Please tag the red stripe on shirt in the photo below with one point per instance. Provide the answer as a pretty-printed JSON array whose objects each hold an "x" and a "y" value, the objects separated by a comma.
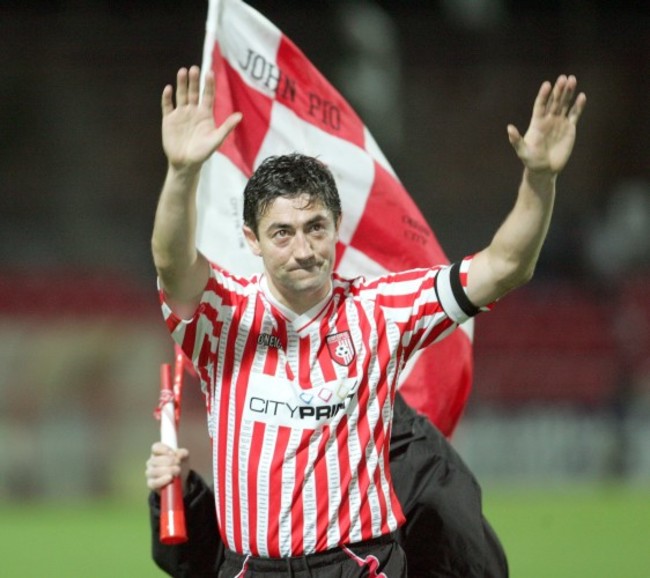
[
  {"x": 297, "y": 510},
  {"x": 275, "y": 491},
  {"x": 252, "y": 482},
  {"x": 304, "y": 362},
  {"x": 342, "y": 440},
  {"x": 322, "y": 492}
]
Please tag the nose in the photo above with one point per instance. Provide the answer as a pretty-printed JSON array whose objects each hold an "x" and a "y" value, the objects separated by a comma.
[{"x": 302, "y": 249}]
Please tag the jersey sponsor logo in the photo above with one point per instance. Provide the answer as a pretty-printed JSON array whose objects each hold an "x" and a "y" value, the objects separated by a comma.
[
  {"x": 278, "y": 401},
  {"x": 268, "y": 340},
  {"x": 274, "y": 408},
  {"x": 341, "y": 347}
]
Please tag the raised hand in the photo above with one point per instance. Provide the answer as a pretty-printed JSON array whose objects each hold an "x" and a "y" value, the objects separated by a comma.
[
  {"x": 548, "y": 142},
  {"x": 189, "y": 132}
]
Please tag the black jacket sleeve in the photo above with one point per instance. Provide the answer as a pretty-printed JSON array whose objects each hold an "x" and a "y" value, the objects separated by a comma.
[{"x": 201, "y": 555}]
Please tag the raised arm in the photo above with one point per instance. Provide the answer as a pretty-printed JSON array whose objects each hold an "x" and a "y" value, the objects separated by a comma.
[
  {"x": 509, "y": 261},
  {"x": 189, "y": 137}
]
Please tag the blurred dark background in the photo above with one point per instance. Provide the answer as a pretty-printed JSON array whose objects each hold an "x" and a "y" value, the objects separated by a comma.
[{"x": 436, "y": 82}]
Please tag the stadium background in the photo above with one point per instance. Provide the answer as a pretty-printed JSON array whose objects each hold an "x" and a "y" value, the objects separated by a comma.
[{"x": 557, "y": 426}]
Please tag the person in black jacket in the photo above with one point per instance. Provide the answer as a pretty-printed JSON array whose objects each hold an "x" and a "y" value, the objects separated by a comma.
[{"x": 445, "y": 534}]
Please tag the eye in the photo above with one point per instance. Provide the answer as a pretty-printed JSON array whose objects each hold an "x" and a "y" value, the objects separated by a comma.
[
  {"x": 317, "y": 227},
  {"x": 281, "y": 234}
]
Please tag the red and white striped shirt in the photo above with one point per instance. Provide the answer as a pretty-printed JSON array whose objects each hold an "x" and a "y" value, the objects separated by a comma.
[{"x": 300, "y": 406}]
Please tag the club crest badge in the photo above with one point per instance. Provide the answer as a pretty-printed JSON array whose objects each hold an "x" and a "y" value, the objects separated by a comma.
[{"x": 341, "y": 347}]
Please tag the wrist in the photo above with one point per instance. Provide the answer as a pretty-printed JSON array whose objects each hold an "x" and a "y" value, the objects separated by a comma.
[
  {"x": 540, "y": 180},
  {"x": 186, "y": 174}
]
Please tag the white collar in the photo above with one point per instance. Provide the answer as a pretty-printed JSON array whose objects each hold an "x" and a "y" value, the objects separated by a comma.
[{"x": 299, "y": 321}]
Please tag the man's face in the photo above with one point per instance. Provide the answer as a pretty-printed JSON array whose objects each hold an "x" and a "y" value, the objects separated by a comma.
[{"x": 297, "y": 243}]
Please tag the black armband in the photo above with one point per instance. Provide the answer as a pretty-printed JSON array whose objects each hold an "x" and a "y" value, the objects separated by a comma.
[{"x": 451, "y": 295}]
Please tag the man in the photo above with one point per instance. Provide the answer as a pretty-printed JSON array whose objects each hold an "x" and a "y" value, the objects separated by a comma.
[
  {"x": 445, "y": 534},
  {"x": 299, "y": 365}
]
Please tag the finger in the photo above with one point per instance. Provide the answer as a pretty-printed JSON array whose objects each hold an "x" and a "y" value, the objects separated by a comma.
[
  {"x": 229, "y": 124},
  {"x": 556, "y": 100},
  {"x": 567, "y": 95},
  {"x": 514, "y": 136},
  {"x": 577, "y": 108},
  {"x": 160, "y": 449},
  {"x": 159, "y": 483},
  {"x": 162, "y": 461},
  {"x": 166, "y": 102},
  {"x": 154, "y": 471},
  {"x": 208, "y": 90},
  {"x": 222, "y": 132},
  {"x": 181, "y": 87},
  {"x": 542, "y": 99},
  {"x": 194, "y": 82}
]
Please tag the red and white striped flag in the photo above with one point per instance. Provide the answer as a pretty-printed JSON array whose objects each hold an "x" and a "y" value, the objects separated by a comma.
[{"x": 289, "y": 106}]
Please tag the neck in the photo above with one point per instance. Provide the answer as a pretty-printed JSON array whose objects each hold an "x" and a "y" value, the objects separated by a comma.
[{"x": 299, "y": 301}]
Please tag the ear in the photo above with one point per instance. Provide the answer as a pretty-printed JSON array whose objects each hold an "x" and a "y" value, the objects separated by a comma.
[
  {"x": 337, "y": 225},
  {"x": 251, "y": 239}
]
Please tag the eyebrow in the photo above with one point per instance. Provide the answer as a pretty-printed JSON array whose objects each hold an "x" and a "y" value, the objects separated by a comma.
[{"x": 279, "y": 225}]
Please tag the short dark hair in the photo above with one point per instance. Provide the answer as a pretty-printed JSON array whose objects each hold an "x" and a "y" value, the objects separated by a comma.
[{"x": 289, "y": 176}]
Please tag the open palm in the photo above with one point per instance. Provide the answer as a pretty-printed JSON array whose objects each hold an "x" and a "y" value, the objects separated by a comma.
[
  {"x": 189, "y": 132},
  {"x": 549, "y": 140}
]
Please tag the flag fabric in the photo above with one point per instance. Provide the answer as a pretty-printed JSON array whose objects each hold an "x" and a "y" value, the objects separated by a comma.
[{"x": 288, "y": 106}]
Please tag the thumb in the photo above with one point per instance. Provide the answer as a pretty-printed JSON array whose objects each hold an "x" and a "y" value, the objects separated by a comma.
[
  {"x": 229, "y": 124},
  {"x": 516, "y": 140},
  {"x": 232, "y": 121},
  {"x": 226, "y": 128}
]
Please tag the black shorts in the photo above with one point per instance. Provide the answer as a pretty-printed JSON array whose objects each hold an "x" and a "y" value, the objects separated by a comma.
[{"x": 379, "y": 558}]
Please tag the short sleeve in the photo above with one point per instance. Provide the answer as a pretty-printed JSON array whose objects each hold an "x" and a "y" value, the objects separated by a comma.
[{"x": 451, "y": 285}]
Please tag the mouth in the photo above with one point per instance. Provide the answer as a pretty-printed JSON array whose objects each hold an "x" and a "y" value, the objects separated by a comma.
[
  {"x": 308, "y": 268},
  {"x": 302, "y": 271}
]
